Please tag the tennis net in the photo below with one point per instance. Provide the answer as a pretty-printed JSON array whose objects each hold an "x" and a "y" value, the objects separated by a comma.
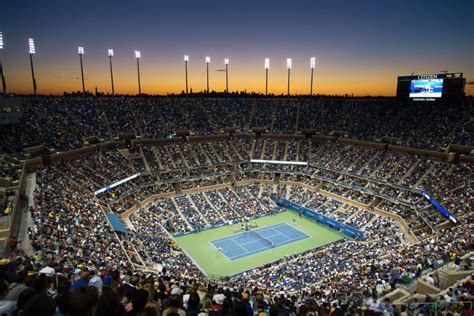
[{"x": 270, "y": 243}]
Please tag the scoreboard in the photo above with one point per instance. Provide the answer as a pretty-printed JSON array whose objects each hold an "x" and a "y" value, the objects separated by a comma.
[{"x": 431, "y": 87}]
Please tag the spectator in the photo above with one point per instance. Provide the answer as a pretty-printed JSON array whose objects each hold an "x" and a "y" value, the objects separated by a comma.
[
  {"x": 7, "y": 307},
  {"x": 15, "y": 288},
  {"x": 39, "y": 305},
  {"x": 83, "y": 301}
]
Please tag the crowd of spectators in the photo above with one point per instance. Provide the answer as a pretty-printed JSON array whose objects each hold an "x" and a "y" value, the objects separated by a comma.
[
  {"x": 63, "y": 123},
  {"x": 78, "y": 257},
  {"x": 230, "y": 204},
  {"x": 29, "y": 286},
  {"x": 69, "y": 225}
]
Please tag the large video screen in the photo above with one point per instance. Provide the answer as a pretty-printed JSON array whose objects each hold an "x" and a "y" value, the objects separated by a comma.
[{"x": 426, "y": 88}]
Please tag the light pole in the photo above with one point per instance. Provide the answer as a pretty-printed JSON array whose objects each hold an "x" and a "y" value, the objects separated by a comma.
[
  {"x": 288, "y": 65},
  {"x": 186, "y": 59},
  {"x": 312, "y": 65},
  {"x": 80, "y": 50},
  {"x": 226, "y": 62},
  {"x": 111, "y": 53},
  {"x": 31, "y": 44},
  {"x": 138, "y": 55},
  {"x": 4, "y": 84},
  {"x": 267, "y": 66},
  {"x": 208, "y": 61}
]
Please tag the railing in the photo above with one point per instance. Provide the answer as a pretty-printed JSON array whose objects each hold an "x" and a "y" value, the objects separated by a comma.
[
  {"x": 436, "y": 306},
  {"x": 16, "y": 214},
  {"x": 252, "y": 169}
]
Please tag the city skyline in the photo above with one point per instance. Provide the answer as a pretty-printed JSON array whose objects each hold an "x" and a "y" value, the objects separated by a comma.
[{"x": 360, "y": 48}]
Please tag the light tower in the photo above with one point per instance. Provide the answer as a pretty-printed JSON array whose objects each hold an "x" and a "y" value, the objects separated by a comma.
[
  {"x": 4, "y": 84},
  {"x": 208, "y": 61},
  {"x": 138, "y": 55},
  {"x": 226, "y": 62},
  {"x": 80, "y": 51},
  {"x": 186, "y": 59},
  {"x": 31, "y": 44},
  {"x": 111, "y": 53},
  {"x": 312, "y": 65},
  {"x": 267, "y": 66},
  {"x": 288, "y": 65}
]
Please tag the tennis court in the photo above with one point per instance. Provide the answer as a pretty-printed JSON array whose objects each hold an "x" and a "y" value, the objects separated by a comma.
[
  {"x": 255, "y": 241},
  {"x": 203, "y": 252}
]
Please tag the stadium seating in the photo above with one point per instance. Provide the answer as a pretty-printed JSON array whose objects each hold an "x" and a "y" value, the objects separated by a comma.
[{"x": 207, "y": 179}]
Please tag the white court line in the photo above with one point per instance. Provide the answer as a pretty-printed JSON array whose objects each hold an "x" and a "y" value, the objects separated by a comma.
[
  {"x": 256, "y": 251},
  {"x": 234, "y": 243},
  {"x": 228, "y": 259},
  {"x": 292, "y": 241},
  {"x": 278, "y": 233},
  {"x": 297, "y": 229},
  {"x": 228, "y": 237},
  {"x": 266, "y": 237},
  {"x": 281, "y": 224},
  {"x": 239, "y": 246},
  {"x": 288, "y": 237},
  {"x": 288, "y": 240},
  {"x": 243, "y": 233}
]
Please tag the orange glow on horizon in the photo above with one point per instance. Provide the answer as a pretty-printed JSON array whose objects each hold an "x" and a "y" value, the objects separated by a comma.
[{"x": 159, "y": 78}]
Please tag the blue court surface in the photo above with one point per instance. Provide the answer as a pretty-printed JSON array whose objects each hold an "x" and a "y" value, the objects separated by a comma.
[{"x": 255, "y": 241}]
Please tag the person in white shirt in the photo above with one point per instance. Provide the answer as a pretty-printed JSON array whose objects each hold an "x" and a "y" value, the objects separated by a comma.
[
  {"x": 373, "y": 303},
  {"x": 430, "y": 280}
]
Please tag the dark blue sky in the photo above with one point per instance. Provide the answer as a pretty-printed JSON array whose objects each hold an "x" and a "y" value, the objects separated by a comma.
[{"x": 361, "y": 46}]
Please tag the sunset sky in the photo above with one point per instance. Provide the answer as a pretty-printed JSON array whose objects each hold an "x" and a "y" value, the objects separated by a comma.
[{"x": 360, "y": 46}]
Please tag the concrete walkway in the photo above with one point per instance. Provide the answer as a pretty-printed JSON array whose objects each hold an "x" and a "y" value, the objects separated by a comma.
[{"x": 26, "y": 219}]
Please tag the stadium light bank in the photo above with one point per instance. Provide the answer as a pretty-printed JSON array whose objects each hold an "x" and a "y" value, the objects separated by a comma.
[
  {"x": 32, "y": 50},
  {"x": 186, "y": 59},
  {"x": 80, "y": 51},
  {"x": 4, "y": 84},
  {"x": 226, "y": 62},
  {"x": 111, "y": 54},
  {"x": 208, "y": 61},
  {"x": 312, "y": 65},
  {"x": 138, "y": 55},
  {"x": 267, "y": 66},
  {"x": 288, "y": 65}
]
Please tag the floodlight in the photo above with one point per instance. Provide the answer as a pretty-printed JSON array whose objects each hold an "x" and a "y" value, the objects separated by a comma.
[
  {"x": 226, "y": 61},
  {"x": 267, "y": 66},
  {"x": 31, "y": 44},
  {"x": 80, "y": 51},
  {"x": 1, "y": 40},
  {"x": 288, "y": 63},
  {"x": 138, "y": 55},
  {"x": 208, "y": 60},
  {"x": 312, "y": 64},
  {"x": 111, "y": 53},
  {"x": 186, "y": 59}
]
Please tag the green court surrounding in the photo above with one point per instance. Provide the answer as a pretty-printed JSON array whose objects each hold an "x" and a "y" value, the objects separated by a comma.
[{"x": 216, "y": 264}]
